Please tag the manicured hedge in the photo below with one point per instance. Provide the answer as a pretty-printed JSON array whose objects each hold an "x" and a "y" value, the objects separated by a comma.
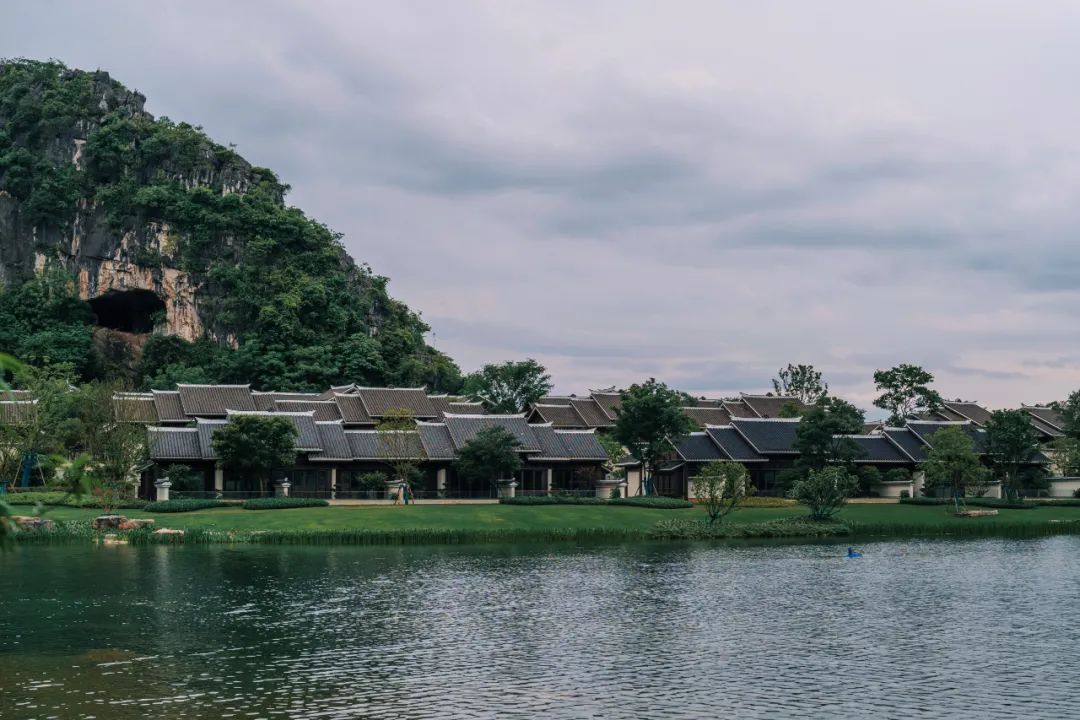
[
  {"x": 974, "y": 502},
  {"x": 281, "y": 503},
  {"x": 649, "y": 501},
  {"x": 767, "y": 502},
  {"x": 50, "y": 497},
  {"x": 185, "y": 505},
  {"x": 552, "y": 500},
  {"x": 654, "y": 501},
  {"x": 1068, "y": 502}
]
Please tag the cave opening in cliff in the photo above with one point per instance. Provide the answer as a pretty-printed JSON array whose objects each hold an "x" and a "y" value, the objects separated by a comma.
[{"x": 133, "y": 311}]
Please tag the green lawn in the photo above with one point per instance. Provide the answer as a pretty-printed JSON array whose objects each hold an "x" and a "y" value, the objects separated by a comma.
[{"x": 876, "y": 519}]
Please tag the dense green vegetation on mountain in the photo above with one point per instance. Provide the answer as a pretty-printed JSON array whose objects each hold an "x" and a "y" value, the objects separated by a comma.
[{"x": 92, "y": 187}]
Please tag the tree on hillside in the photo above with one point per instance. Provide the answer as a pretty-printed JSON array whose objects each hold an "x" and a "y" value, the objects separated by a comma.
[
  {"x": 650, "y": 416},
  {"x": 490, "y": 456},
  {"x": 251, "y": 446},
  {"x": 952, "y": 463},
  {"x": 820, "y": 439},
  {"x": 1010, "y": 444},
  {"x": 510, "y": 387},
  {"x": 905, "y": 392},
  {"x": 399, "y": 445},
  {"x": 720, "y": 487},
  {"x": 824, "y": 491},
  {"x": 801, "y": 381}
]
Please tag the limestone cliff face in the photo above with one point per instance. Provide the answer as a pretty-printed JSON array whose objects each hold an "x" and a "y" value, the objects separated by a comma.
[{"x": 106, "y": 260}]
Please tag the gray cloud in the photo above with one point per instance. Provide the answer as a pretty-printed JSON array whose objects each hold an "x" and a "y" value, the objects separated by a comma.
[{"x": 700, "y": 195}]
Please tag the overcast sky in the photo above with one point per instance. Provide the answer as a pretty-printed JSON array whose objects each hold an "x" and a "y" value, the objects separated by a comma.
[{"x": 697, "y": 191}]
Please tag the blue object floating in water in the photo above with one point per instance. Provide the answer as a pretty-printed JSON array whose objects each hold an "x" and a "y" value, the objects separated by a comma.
[{"x": 852, "y": 554}]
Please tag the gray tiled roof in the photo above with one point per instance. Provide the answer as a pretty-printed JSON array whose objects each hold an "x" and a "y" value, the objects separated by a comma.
[
  {"x": 215, "y": 400},
  {"x": 908, "y": 442},
  {"x": 168, "y": 443},
  {"x": 467, "y": 408},
  {"x": 352, "y": 410},
  {"x": 768, "y": 437},
  {"x": 738, "y": 409},
  {"x": 609, "y": 402},
  {"x": 337, "y": 390},
  {"x": 16, "y": 395},
  {"x": 167, "y": 404},
  {"x": 1046, "y": 420},
  {"x": 324, "y": 410},
  {"x": 206, "y": 429},
  {"x": 134, "y": 407},
  {"x": 878, "y": 449},
  {"x": 707, "y": 415},
  {"x": 379, "y": 401},
  {"x": 551, "y": 446},
  {"x": 565, "y": 445},
  {"x": 464, "y": 428},
  {"x": 369, "y": 445},
  {"x": 263, "y": 401},
  {"x": 770, "y": 406},
  {"x": 332, "y": 441},
  {"x": 969, "y": 411},
  {"x": 699, "y": 447},
  {"x": 307, "y": 437},
  {"x": 17, "y": 412},
  {"x": 591, "y": 412},
  {"x": 581, "y": 445},
  {"x": 733, "y": 444},
  {"x": 436, "y": 440},
  {"x": 926, "y": 430},
  {"x": 560, "y": 416}
]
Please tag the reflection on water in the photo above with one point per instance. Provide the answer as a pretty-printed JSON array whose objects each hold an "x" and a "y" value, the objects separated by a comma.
[{"x": 983, "y": 629}]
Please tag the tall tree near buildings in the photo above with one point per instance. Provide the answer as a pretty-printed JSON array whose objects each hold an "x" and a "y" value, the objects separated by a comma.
[
  {"x": 801, "y": 381},
  {"x": 510, "y": 387},
  {"x": 953, "y": 464},
  {"x": 649, "y": 419},
  {"x": 1070, "y": 415},
  {"x": 1010, "y": 444},
  {"x": 905, "y": 392},
  {"x": 400, "y": 447},
  {"x": 251, "y": 446},
  {"x": 821, "y": 436},
  {"x": 491, "y": 455}
]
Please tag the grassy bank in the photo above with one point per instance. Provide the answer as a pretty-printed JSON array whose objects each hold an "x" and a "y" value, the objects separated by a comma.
[{"x": 420, "y": 524}]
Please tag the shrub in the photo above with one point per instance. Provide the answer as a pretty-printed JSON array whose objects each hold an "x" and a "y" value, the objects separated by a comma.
[
  {"x": 648, "y": 501},
  {"x": 767, "y": 502},
  {"x": 905, "y": 495},
  {"x": 184, "y": 505},
  {"x": 281, "y": 503},
  {"x": 973, "y": 501},
  {"x": 1076, "y": 493},
  {"x": 66, "y": 500},
  {"x": 552, "y": 500},
  {"x": 183, "y": 478},
  {"x": 653, "y": 501},
  {"x": 824, "y": 491}
]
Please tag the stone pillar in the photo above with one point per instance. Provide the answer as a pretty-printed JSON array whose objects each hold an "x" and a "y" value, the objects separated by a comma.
[
  {"x": 549, "y": 480},
  {"x": 333, "y": 483},
  {"x": 162, "y": 489},
  {"x": 281, "y": 488},
  {"x": 440, "y": 480},
  {"x": 918, "y": 479},
  {"x": 219, "y": 480},
  {"x": 507, "y": 488},
  {"x": 605, "y": 485}
]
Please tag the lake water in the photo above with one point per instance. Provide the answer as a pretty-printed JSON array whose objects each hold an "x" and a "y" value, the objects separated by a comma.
[{"x": 978, "y": 629}]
